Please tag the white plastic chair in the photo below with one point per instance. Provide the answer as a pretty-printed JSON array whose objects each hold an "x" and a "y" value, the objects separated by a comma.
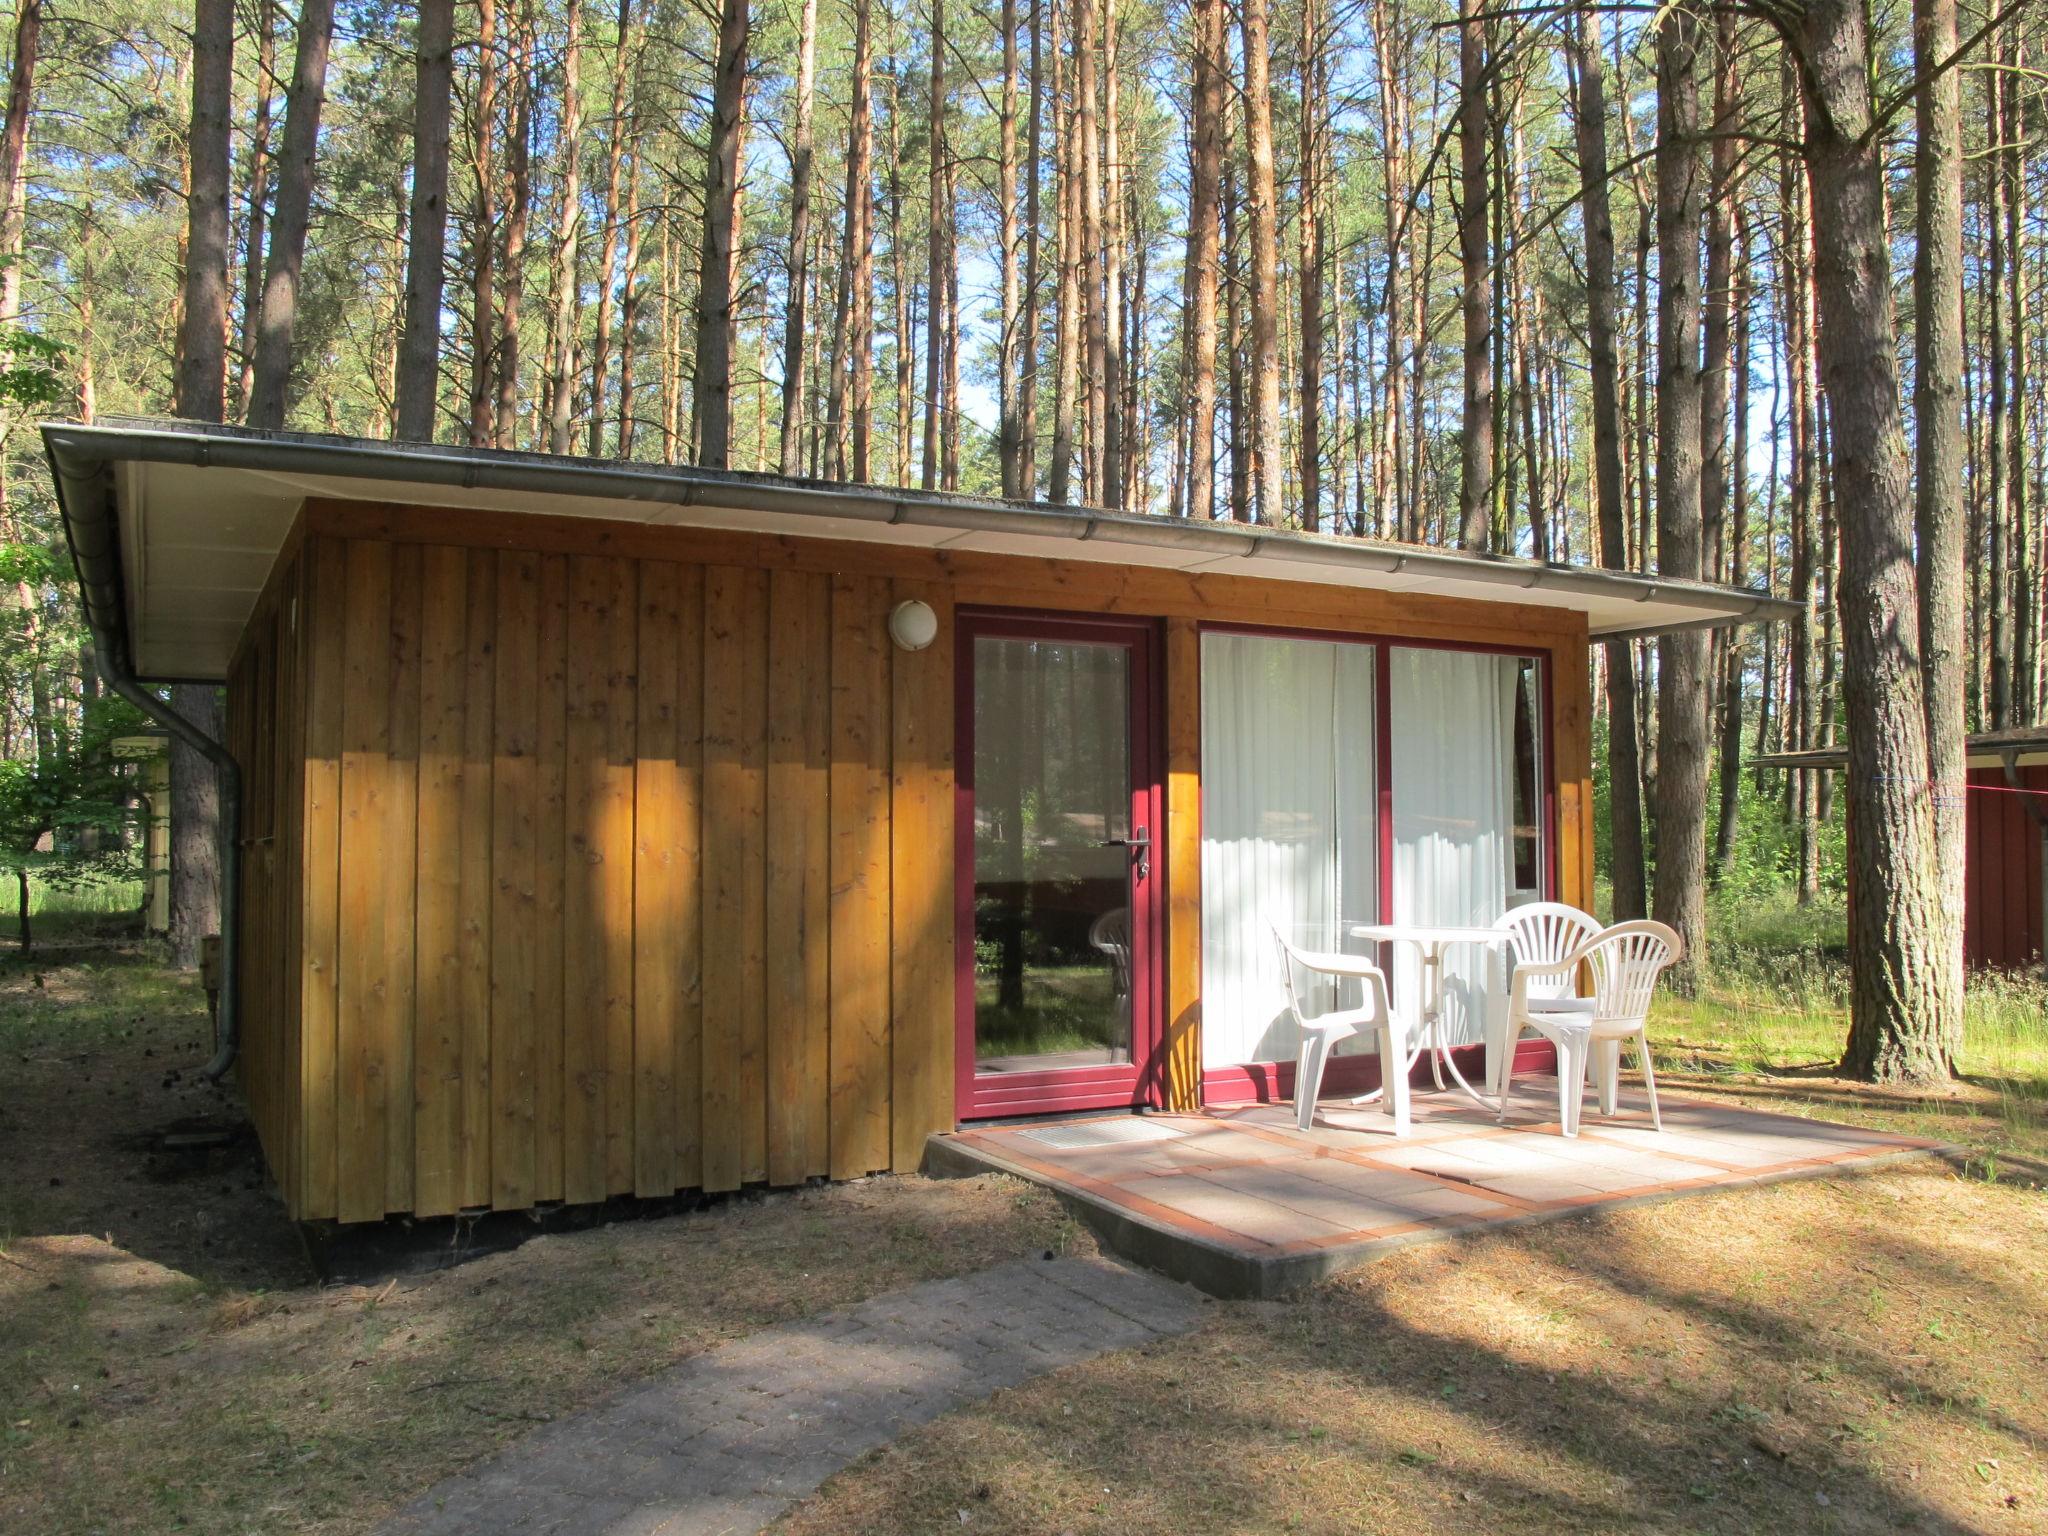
[
  {"x": 1623, "y": 964},
  {"x": 1540, "y": 933},
  {"x": 1318, "y": 1034},
  {"x": 1111, "y": 935}
]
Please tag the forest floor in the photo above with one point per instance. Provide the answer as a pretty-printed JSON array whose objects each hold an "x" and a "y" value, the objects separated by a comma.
[{"x": 1869, "y": 1353}]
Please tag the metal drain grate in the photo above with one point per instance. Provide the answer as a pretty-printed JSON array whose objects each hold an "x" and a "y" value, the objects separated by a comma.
[{"x": 1101, "y": 1133}]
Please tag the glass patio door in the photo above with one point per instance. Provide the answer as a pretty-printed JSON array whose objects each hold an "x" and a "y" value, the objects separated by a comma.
[{"x": 1059, "y": 858}]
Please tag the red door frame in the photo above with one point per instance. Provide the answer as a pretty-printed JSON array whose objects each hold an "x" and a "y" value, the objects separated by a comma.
[
  {"x": 1123, "y": 1086},
  {"x": 1267, "y": 1081}
]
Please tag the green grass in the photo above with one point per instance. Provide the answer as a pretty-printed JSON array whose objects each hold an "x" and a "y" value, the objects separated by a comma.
[
  {"x": 100, "y": 909},
  {"x": 1066, "y": 1008},
  {"x": 1773, "y": 1019}
]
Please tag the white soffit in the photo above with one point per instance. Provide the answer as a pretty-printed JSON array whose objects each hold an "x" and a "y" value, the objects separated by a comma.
[{"x": 198, "y": 541}]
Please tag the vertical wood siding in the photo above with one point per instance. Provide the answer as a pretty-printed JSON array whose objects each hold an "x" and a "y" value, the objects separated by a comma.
[
  {"x": 624, "y": 865},
  {"x": 592, "y": 873},
  {"x": 2002, "y": 917}
]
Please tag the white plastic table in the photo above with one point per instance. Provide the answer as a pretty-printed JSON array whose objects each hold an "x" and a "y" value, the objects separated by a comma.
[{"x": 1430, "y": 940}]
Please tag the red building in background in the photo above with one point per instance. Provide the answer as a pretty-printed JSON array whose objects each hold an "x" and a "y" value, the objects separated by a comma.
[{"x": 2004, "y": 923}]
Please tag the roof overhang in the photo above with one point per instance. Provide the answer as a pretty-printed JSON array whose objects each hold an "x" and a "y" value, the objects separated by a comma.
[
  {"x": 175, "y": 527},
  {"x": 2023, "y": 746}
]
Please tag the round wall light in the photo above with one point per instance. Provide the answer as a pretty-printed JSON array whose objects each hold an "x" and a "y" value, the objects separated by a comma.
[{"x": 913, "y": 625}]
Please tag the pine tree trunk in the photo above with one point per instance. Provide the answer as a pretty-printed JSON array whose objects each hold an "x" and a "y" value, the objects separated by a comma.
[
  {"x": 257, "y": 196},
  {"x": 1680, "y": 898},
  {"x": 1115, "y": 425},
  {"x": 1938, "y": 507},
  {"x": 1211, "y": 66},
  {"x": 1902, "y": 1000},
  {"x": 859, "y": 258},
  {"x": 1263, "y": 210},
  {"x": 631, "y": 301},
  {"x": 512, "y": 287},
  {"x": 419, "y": 346},
  {"x": 618, "y": 133},
  {"x": 483, "y": 231},
  {"x": 1624, "y": 766},
  {"x": 1310, "y": 229},
  {"x": 1009, "y": 432},
  {"x": 1027, "y": 375},
  {"x": 270, "y": 396},
  {"x": 935, "y": 256},
  {"x": 715, "y": 308},
  {"x": 1475, "y": 466},
  {"x": 565, "y": 287},
  {"x": 1067, "y": 343},
  {"x": 201, "y": 396}
]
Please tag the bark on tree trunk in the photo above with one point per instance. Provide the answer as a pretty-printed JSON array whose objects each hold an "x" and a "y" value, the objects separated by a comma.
[
  {"x": 1624, "y": 765},
  {"x": 195, "y": 828},
  {"x": 1938, "y": 504},
  {"x": 713, "y": 383},
  {"x": 795, "y": 316},
  {"x": 257, "y": 196},
  {"x": 513, "y": 287},
  {"x": 1263, "y": 208},
  {"x": 483, "y": 226},
  {"x": 1211, "y": 63},
  {"x": 1902, "y": 1001},
  {"x": 935, "y": 246},
  {"x": 202, "y": 348},
  {"x": 619, "y": 132},
  {"x": 1680, "y": 897},
  {"x": 270, "y": 396},
  {"x": 860, "y": 253},
  {"x": 566, "y": 287},
  {"x": 1475, "y": 465},
  {"x": 1027, "y": 388},
  {"x": 419, "y": 346}
]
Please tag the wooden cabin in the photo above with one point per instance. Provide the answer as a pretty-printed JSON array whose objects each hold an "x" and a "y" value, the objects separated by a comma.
[
  {"x": 2005, "y": 841},
  {"x": 622, "y": 829}
]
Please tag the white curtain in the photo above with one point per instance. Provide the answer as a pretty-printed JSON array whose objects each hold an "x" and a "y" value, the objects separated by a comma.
[
  {"x": 1453, "y": 728},
  {"x": 1289, "y": 826}
]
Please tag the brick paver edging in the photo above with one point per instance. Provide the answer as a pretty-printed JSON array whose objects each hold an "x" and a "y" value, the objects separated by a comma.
[{"x": 726, "y": 1441}]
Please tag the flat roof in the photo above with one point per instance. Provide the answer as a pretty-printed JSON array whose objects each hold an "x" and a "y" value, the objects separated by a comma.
[
  {"x": 2026, "y": 744},
  {"x": 175, "y": 526}
]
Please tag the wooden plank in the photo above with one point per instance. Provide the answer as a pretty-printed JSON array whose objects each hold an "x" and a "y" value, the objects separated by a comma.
[
  {"x": 798, "y": 875},
  {"x": 291, "y": 805},
  {"x": 726, "y": 840},
  {"x": 586, "y": 1047},
  {"x": 1080, "y": 586},
  {"x": 688, "y": 854},
  {"x": 660, "y": 873},
  {"x": 477, "y": 894},
  {"x": 1183, "y": 865},
  {"x": 860, "y": 978},
  {"x": 437, "y": 964},
  {"x": 752, "y": 809},
  {"x": 397, "y": 853},
  {"x": 1572, "y": 757},
  {"x": 514, "y": 819},
  {"x": 619, "y": 657},
  {"x": 923, "y": 1026},
  {"x": 320, "y": 964},
  {"x": 364, "y": 1030},
  {"x": 550, "y": 775}
]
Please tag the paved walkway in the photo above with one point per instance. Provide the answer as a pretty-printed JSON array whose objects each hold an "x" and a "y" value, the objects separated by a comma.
[
  {"x": 1242, "y": 1203},
  {"x": 726, "y": 1441}
]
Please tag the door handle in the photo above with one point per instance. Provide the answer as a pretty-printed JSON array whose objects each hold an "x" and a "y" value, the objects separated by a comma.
[{"x": 1139, "y": 841}]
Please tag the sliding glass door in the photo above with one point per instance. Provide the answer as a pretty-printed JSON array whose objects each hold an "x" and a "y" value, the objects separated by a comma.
[{"x": 1348, "y": 782}]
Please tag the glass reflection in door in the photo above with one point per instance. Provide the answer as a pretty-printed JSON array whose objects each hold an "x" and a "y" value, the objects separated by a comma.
[{"x": 1055, "y": 854}]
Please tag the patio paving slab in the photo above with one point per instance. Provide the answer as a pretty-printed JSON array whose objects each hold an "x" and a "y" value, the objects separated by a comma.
[{"x": 1241, "y": 1202}]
